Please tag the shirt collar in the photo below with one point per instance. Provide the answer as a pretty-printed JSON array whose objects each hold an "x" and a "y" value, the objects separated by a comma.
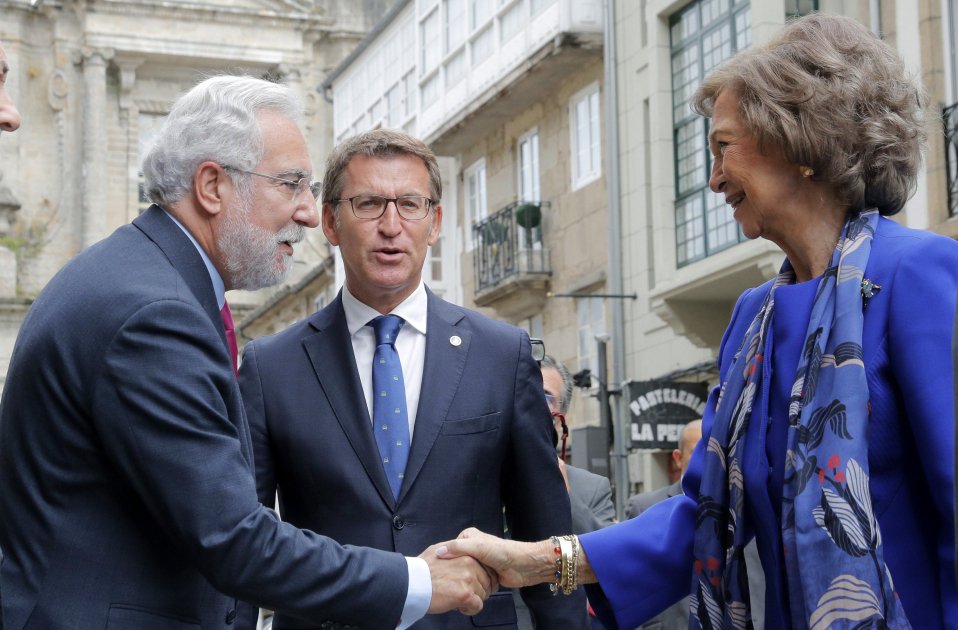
[
  {"x": 219, "y": 288},
  {"x": 414, "y": 310}
]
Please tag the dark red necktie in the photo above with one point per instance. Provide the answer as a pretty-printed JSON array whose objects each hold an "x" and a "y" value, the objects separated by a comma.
[{"x": 230, "y": 333}]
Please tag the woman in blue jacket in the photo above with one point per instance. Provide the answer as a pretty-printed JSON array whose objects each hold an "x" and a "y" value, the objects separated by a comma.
[{"x": 830, "y": 439}]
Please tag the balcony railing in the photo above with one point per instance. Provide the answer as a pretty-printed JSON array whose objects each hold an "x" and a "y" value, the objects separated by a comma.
[
  {"x": 509, "y": 244},
  {"x": 950, "y": 117}
]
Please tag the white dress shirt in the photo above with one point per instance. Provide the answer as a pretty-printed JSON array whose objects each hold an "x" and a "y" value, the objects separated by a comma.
[{"x": 411, "y": 347}]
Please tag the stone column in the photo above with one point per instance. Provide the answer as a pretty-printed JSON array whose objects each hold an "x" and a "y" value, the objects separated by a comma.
[{"x": 95, "y": 170}]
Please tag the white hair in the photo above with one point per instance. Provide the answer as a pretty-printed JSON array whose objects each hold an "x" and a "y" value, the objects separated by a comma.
[{"x": 214, "y": 121}]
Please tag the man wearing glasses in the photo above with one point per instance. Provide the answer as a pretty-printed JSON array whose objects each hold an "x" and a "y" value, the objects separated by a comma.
[
  {"x": 126, "y": 479},
  {"x": 394, "y": 419}
]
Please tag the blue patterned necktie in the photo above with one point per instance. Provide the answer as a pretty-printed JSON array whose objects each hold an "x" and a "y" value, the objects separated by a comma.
[{"x": 390, "y": 420}]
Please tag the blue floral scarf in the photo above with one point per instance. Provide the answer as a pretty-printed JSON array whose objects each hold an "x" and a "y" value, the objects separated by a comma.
[{"x": 835, "y": 570}]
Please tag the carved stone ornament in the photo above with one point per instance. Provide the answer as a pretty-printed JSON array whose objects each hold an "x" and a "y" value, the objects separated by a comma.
[{"x": 9, "y": 206}]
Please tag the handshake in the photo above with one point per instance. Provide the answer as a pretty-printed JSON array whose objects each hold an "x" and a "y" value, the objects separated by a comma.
[{"x": 469, "y": 569}]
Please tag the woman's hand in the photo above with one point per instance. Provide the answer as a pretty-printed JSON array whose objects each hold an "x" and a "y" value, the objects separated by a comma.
[{"x": 516, "y": 563}]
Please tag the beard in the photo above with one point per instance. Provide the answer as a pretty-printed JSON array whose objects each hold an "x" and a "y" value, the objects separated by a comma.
[{"x": 250, "y": 251}]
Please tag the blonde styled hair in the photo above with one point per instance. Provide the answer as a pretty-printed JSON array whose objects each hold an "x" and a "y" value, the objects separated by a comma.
[{"x": 830, "y": 95}]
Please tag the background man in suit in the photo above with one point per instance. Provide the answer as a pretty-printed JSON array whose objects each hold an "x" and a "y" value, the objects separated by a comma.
[
  {"x": 688, "y": 438},
  {"x": 455, "y": 430},
  {"x": 126, "y": 479},
  {"x": 589, "y": 493},
  {"x": 676, "y": 616},
  {"x": 9, "y": 116}
]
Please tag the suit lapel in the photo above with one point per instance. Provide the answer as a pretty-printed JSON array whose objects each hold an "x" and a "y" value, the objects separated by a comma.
[
  {"x": 330, "y": 352},
  {"x": 182, "y": 254},
  {"x": 442, "y": 373}
]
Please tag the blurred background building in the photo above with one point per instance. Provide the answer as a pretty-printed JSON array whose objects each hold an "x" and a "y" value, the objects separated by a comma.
[{"x": 575, "y": 176}]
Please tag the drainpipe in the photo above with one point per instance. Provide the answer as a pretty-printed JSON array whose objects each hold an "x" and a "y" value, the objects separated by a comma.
[{"x": 621, "y": 427}]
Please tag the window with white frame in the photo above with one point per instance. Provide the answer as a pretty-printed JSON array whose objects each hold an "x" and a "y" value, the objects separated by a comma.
[
  {"x": 476, "y": 204},
  {"x": 584, "y": 126},
  {"x": 430, "y": 40},
  {"x": 480, "y": 11},
  {"x": 435, "y": 262},
  {"x": 512, "y": 20},
  {"x": 528, "y": 158},
  {"x": 527, "y": 149},
  {"x": 457, "y": 27},
  {"x": 590, "y": 317},
  {"x": 703, "y": 34}
]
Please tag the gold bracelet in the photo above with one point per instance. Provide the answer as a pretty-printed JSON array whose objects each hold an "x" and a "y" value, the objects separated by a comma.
[
  {"x": 569, "y": 546},
  {"x": 574, "y": 569}
]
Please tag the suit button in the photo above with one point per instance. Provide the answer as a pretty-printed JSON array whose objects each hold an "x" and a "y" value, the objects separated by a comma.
[
  {"x": 398, "y": 523},
  {"x": 230, "y": 616}
]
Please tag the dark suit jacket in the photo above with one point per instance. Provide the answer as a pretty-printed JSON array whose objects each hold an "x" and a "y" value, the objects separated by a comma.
[
  {"x": 126, "y": 475},
  {"x": 676, "y": 616},
  {"x": 591, "y": 498},
  {"x": 482, "y": 440}
]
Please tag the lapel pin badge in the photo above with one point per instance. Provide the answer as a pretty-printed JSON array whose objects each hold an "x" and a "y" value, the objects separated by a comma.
[
  {"x": 455, "y": 341},
  {"x": 869, "y": 290}
]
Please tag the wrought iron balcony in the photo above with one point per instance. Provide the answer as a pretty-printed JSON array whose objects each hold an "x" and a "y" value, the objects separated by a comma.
[
  {"x": 950, "y": 117},
  {"x": 510, "y": 259}
]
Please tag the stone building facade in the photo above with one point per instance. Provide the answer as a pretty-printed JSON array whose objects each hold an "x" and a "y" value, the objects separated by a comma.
[{"x": 93, "y": 80}]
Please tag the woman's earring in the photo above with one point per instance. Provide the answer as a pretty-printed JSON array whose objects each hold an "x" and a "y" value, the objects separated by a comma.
[{"x": 806, "y": 171}]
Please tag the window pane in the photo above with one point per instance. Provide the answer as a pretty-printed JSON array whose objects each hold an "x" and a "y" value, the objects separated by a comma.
[
  {"x": 483, "y": 45},
  {"x": 430, "y": 91},
  {"x": 704, "y": 34},
  {"x": 529, "y": 168},
  {"x": 455, "y": 24},
  {"x": 480, "y": 12},
  {"x": 431, "y": 48},
  {"x": 539, "y": 5},
  {"x": 456, "y": 69},
  {"x": 511, "y": 21}
]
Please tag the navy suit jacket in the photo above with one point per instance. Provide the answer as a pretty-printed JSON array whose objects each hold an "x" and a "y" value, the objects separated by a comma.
[
  {"x": 482, "y": 440},
  {"x": 126, "y": 474}
]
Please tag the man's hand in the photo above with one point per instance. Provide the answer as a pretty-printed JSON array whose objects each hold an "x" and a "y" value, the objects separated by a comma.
[
  {"x": 458, "y": 583},
  {"x": 516, "y": 563}
]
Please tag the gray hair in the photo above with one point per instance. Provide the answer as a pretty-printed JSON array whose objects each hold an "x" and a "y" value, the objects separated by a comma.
[
  {"x": 830, "y": 95},
  {"x": 215, "y": 121},
  {"x": 382, "y": 143},
  {"x": 565, "y": 398}
]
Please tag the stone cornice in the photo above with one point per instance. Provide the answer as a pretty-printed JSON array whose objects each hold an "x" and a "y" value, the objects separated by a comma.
[{"x": 289, "y": 14}]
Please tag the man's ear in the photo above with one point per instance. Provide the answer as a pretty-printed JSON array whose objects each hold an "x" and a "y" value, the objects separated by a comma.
[
  {"x": 212, "y": 188},
  {"x": 436, "y": 224},
  {"x": 329, "y": 224},
  {"x": 677, "y": 458}
]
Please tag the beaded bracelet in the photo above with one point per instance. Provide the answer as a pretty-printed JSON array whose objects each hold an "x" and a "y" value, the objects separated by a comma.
[{"x": 557, "y": 550}]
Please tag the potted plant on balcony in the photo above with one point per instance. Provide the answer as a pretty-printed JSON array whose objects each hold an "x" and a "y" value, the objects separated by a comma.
[{"x": 528, "y": 216}]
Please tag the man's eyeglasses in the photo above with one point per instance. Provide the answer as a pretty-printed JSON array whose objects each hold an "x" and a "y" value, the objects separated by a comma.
[
  {"x": 552, "y": 401},
  {"x": 296, "y": 187},
  {"x": 410, "y": 207}
]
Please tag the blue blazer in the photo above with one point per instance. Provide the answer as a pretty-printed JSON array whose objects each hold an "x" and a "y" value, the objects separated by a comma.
[
  {"x": 482, "y": 441},
  {"x": 126, "y": 473},
  {"x": 645, "y": 564}
]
